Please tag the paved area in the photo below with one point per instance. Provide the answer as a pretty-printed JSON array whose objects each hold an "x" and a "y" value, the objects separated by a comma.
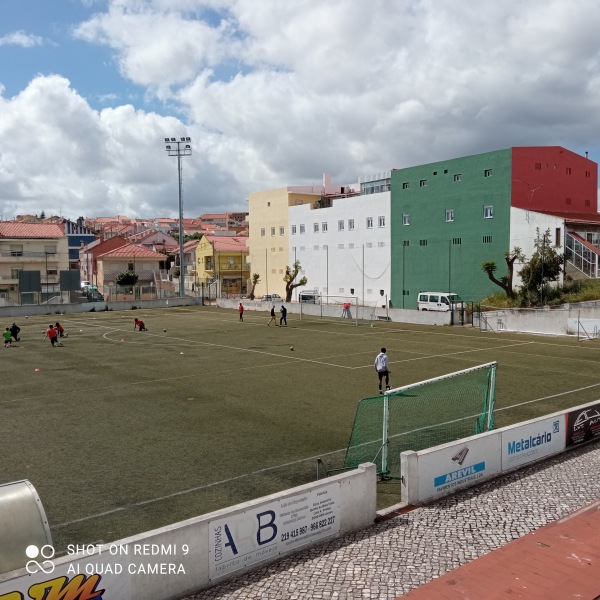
[{"x": 406, "y": 551}]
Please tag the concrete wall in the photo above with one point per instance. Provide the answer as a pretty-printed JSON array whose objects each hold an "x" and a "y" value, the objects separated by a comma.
[
  {"x": 443, "y": 470},
  {"x": 51, "y": 309},
  {"x": 298, "y": 311},
  {"x": 561, "y": 320},
  {"x": 174, "y": 561}
]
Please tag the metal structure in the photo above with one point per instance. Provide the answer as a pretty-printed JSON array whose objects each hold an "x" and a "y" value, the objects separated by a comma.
[
  {"x": 23, "y": 524},
  {"x": 179, "y": 148}
]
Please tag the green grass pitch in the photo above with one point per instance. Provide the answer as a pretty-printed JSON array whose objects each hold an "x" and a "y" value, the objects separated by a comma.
[{"x": 122, "y": 432}]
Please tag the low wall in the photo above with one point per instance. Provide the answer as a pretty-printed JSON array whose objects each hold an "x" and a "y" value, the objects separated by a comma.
[
  {"x": 560, "y": 320},
  {"x": 335, "y": 310},
  {"x": 180, "y": 559},
  {"x": 51, "y": 309},
  {"x": 435, "y": 472}
]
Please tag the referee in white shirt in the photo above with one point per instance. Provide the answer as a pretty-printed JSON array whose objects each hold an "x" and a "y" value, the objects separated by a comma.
[{"x": 381, "y": 366}]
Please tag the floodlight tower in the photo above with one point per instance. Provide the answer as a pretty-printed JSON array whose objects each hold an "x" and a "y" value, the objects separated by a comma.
[{"x": 179, "y": 148}]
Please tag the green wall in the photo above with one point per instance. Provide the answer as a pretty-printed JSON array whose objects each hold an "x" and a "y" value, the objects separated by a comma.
[{"x": 432, "y": 254}]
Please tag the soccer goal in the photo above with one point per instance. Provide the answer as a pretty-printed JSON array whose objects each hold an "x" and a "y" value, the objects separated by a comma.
[
  {"x": 421, "y": 415},
  {"x": 324, "y": 305}
]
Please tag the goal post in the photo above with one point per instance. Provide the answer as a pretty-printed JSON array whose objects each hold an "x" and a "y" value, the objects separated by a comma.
[
  {"x": 421, "y": 415},
  {"x": 340, "y": 306}
]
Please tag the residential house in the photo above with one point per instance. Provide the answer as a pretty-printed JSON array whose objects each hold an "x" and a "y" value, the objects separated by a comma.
[
  {"x": 223, "y": 260},
  {"x": 38, "y": 249}
]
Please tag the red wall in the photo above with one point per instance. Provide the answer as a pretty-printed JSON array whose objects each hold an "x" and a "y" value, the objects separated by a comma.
[{"x": 544, "y": 178}]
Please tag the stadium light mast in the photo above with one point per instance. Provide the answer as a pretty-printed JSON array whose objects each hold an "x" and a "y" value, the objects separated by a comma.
[{"x": 179, "y": 148}]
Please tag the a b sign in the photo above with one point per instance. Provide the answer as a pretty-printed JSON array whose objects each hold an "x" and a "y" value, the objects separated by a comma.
[{"x": 273, "y": 528}]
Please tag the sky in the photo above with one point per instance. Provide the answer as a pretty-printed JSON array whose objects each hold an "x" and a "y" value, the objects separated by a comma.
[{"x": 275, "y": 93}]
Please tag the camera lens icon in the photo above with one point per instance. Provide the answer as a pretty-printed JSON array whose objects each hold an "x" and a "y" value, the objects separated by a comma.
[{"x": 46, "y": 552}]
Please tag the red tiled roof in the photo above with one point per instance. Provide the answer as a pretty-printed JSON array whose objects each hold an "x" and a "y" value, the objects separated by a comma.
[
  {"x": 132, "y": 251},
  {"x": 232, "y": 243},
  {"x": 13, "y": 229}
]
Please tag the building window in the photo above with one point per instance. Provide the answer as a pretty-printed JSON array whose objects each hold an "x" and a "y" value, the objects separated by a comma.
[
  {"x": 456, "y": 241},
  {"x": 369, "y": 222},
  {"x": 381, "y": 221},
  {"x": 351, "y": 224},
  {"x": 369, "y": 245},
  {"x": 422, "y": 242},
  {"x": 587, "y": 202},
  {"x": 449, "y": 215},
  {"x": 487, "y": 173},
  {"x": 568, "y": 200},
  {"x": 302, "y": 248},
  {"x": 538, "y": 166},
  {"x": 272, "y": 231},
  {"x": 341, "y": 246},
  {"x": 268, "y": 204},
  {"x": 457, "y": 177},
  {"x": 302, "y": 228},
  {"x": 381, "y": 244},
  {"x": 405, "y": 185},
  {"x": 588, "y": 174},
  {"x": 423, "y": 183},
  {"x": 49, "y": 249},
  {"x": 316, "y": 227},
  {"x": 405, "y": 219},
  {"x": 487, "y": 239},
  {"x": 406, "y": 243},
  {"x": 488, "y": 211},
  {"x": 282, "y": 231},
  {"x": 557, "y": 237},
  {"x": 324, "y": 226},
  {"x": 293, "y": 230},
  {"x": 340, "y": 225},
  {"x": 16, "y": 249},
  {"x": 568, "y": 170},
  {"x": 315, "y": 247},
  {"x": 14, "y": 273},
  {"x": 350, "y": 246}
]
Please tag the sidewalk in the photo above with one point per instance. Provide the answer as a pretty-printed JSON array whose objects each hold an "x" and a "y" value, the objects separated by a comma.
[{"x": 407, "y": 551}]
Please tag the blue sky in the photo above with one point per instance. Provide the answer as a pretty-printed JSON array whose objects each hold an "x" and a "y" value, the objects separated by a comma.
[{"x": 276, "y": 93}]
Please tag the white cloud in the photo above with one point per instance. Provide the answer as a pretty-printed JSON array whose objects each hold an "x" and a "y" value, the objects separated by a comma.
[
  {"x": 20, "y": 38},
  {"x": 276, "y": 93}
]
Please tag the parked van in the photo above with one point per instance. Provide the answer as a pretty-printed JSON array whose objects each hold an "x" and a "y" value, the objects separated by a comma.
[
  {"x": 440, "y": 301},
  {"x": 309, "y": 297}
]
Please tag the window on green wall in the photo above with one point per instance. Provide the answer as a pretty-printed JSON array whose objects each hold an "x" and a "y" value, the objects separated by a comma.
[
  {"x": 423, "y": 183},
  {"x": 406, "y": 219},
  {"x": 487, "y": 173},
  {"x": 405, "y": 185},
  {"x": 488, "y": 211},
  {"x": 457, "y": 177},
  {"x": 449, "y": 215}
]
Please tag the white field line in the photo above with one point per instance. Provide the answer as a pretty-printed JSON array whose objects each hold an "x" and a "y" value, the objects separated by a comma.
[{"x": 283, "y": 465}]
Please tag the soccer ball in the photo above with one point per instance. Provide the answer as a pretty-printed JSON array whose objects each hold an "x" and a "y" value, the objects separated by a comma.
[
  {"x": 291, "y": 347},
  {"x": 165, "y": 330}
]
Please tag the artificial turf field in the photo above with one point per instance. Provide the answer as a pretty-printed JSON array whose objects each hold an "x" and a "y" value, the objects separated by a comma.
[{"x": 121, "y": 432}]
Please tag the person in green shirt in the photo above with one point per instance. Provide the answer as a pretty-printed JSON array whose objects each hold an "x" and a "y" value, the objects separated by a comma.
[{"x": 7, "y": 335}]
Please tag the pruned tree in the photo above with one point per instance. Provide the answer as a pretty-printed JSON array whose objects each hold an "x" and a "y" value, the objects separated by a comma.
[
  {"x": 506, "y": 281},
  {"x": 290, "y": 275},
  {"x": 544, "y": 266},
  {"x": 255, "y": 280},
  {"x": 126, "y": 278}
]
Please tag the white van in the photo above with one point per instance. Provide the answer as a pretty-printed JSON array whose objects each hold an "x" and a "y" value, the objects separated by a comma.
[{"x": 440, "y": 301}]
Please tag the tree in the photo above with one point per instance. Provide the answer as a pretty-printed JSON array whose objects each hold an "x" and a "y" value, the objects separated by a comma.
[
  {"x": 505, "y": 282},
  {"x": 290, "y": 275},
  {"x": 255, "y": 280},
  {"x": 544, "y": 266},
  {"x": 127, "y": 278},
  {"x": 43, "y": 215}
]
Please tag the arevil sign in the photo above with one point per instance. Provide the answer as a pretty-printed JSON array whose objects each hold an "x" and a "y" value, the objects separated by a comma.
[
  {"x": 243, "y": 539},
  {"x": 451, "y": 467},
  {"x": 583, "y": 425}
]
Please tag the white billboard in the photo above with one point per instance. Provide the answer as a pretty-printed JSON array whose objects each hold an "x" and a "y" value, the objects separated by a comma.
[
  {"x": 451, "y": 467},
  {"x": 243, "y": 539},
  {"x": 532, "y": 441}
]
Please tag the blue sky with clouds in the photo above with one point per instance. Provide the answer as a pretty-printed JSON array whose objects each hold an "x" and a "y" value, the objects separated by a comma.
[{"x": 276, "y": 93}]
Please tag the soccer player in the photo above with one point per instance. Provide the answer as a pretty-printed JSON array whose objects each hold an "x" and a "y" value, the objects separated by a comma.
[
  {"x": 7, "y": 335},
  {"x": 273, "y": 318},
  {"x": 14, "y": 331},
  {"x": 381, "y": 366},
  {"x": 59, "y": 329},
  {"x": 140, "y": 325},
  {"x": 283, "y": 318},
  {"x": 241, "y": 311},
  {"x": 52, "y": 335}
]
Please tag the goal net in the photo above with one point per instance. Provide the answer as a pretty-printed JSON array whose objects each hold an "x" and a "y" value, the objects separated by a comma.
[{"x": 421, "y": 415}]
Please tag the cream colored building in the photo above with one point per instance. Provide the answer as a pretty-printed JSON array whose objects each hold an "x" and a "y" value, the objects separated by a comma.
[{"x": 269, "y": 230}]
